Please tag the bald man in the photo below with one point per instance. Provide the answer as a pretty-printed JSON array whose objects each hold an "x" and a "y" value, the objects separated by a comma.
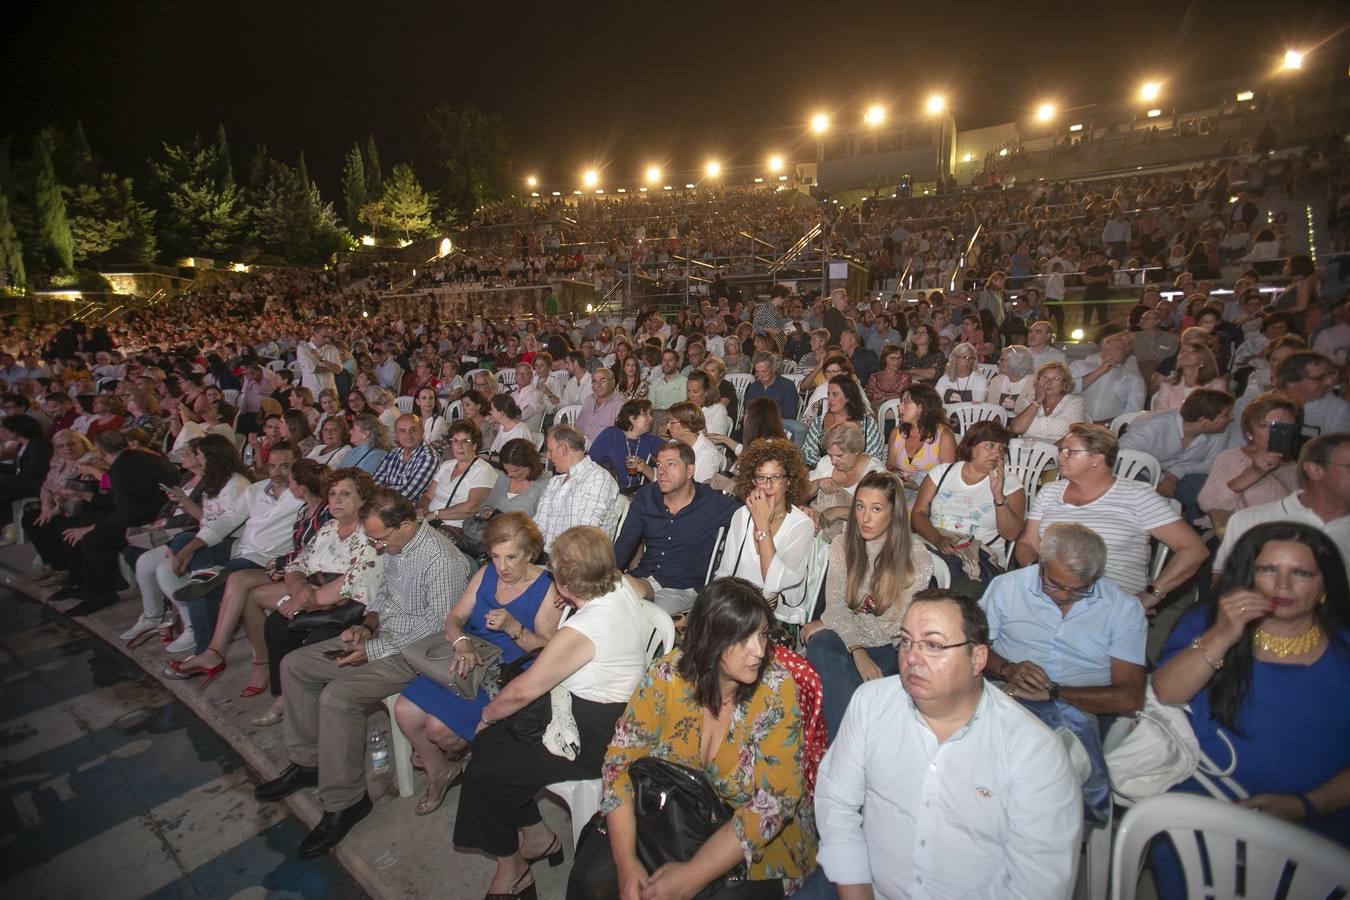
[{"x": 411, "y": 465}]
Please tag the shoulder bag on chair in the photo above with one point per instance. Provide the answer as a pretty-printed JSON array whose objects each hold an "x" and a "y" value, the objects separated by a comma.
[
  {"x": 1157, "y": 750},
  {"x": 433, "y": 656}
]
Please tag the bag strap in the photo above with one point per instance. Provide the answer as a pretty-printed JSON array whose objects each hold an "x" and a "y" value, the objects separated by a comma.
[
  {"x": 750, "y": 523},
  {"x": 460, "y": 481}
]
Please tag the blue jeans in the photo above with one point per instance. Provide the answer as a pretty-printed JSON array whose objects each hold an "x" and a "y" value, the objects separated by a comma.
[
  {"x": 1187, "y": 493},
  {"x": 202, "y": 612},
  {"x": 839, "y": 676},
  {"x": 796, "y": 430},
  {"x": 817, "y": 886}
]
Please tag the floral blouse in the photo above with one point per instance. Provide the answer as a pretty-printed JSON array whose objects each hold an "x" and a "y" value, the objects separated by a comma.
[
  {"x": 757, "y": 770},
  {"x": 353, "y": 557}
]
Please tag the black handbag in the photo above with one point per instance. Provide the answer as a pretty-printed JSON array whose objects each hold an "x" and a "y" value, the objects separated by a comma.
[
  {"x": 344, "y": 615},
  {"x": 677, "y": 810},
  {"x": 530, "y": 721}
]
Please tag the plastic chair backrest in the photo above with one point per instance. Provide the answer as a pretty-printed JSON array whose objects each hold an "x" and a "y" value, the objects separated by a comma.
[
  {"x": 1137, "y": 465},
  {"x": 506, "y": 377},
  {"x": 566, "y": 414},
  {"x": 888, "y": 410},
  {"x": 453, "y": 410},
  {"x": 718, "y": 543},
  {"x": 942, "y": 576},
  {"x": 663, "y": 629},
  {"x": 988, "y": 370},
  {"x": 231, "y": 396},
  {"x": 739, "y": 382},
  {"x": 404, "y": 404},
  {"x": 967, "y": 414},
  {"x": 1119, "y": 423},
  {"x": 621, "y": 506},
  {"x": 1028, "y": 460},
  {"x": 1227, "y": 850}
]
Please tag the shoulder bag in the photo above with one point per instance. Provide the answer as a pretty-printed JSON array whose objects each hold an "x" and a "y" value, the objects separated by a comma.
[
  {"x": 432, "y": 656},
  {"x": 1157, "y": 750}
]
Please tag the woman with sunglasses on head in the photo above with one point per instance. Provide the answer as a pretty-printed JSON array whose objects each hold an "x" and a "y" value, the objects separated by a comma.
[
  {"x": 874, "y": 568},
  {"x": 1263, "y": 668}
]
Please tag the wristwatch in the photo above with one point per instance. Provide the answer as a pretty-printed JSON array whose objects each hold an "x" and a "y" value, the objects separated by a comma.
[
  {"x": 760, "y": 535},
  {"x": 1054, "y": 691},
  {"x": 1153, "y": 590}
]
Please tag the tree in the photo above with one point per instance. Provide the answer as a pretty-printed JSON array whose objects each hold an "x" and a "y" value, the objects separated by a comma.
[
  {"x": 50, "y": 202},
  {"x": 108, "y": 223},
  {"x": 289, "y": 217},
  {"x": 466, "y": 157},
  {"x": 405, "y": 208},
  {"x": 11, "y": 251},
  {"x": 354, "y": 194},
  {"x": 374, "y": 175},
  {"x": 200, "y": 208}
]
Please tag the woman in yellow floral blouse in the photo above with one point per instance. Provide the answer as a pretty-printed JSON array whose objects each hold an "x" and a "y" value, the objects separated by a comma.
[{"x": 725, "y": 706}]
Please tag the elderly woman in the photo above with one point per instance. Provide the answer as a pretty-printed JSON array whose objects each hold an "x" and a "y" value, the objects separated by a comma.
[
  {"x": 1052, "y": 407},
  {"x": 843, "y": 403},
  {"x": 70, "y": 450},
  {"x": 1126, "y": 513},
  {"x": 970, "y": 505},
  {"x": 923, "y": 354},
  {"x": 725, "y": 706},
  {"x": 1253, "y": 474},
  {"x": 836, "y": 476},
  {"x": 922, "y": 438},
  {"x": 589, "y": 667},
  {"x": 1014, "y": 379},
  {"x": 1261, "y": 667},
  {"x": 627, "y": 448},
  {"x": 506, "y": 416},
  {"x": 329, "y": 407},
  {"x": 381, "y": 401},
  {"x": 370, "y": 444},
  {"x": 511, "y": 603},
  {"x": 333, "y": 441},
  {"x": 875, "y": 567},
  {"x": 1196, "y": 368},
  {"x": 462, "y": 482},
  {"x": 962, "y": 382}
]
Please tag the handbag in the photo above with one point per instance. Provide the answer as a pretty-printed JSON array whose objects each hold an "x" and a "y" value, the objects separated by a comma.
[
  {"x": 431, "y": 657},
  {"x": 528, "y": 723},
  {"x": 1157, "y": 750},
  {"x": 677, "y": 810},
  {"x": 342, "y": 615},
  {"x": 471, "y": 534}
]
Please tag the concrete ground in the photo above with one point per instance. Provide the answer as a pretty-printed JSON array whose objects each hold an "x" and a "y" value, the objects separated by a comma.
[{"x": 391, "y": 854}]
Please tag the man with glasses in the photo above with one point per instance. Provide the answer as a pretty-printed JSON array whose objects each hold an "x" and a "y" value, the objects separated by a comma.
[
  {"x": 675, "y": 519},
  {"x": 1307, "y": 377},
  {"x": 1060, "y": 631},
  {"x": 329, "y": 686},
  {"x": 941, "y": 785}
]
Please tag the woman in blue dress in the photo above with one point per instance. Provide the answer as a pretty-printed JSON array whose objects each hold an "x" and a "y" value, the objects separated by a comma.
[
  {"x": 1267, "y": 663},
  {"x": 509, "y": 602}
]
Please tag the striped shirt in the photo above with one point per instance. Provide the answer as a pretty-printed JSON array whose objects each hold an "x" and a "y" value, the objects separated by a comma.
[
  {"x": 422, "y": 583},
  {"x": 1122, "y": 518}
]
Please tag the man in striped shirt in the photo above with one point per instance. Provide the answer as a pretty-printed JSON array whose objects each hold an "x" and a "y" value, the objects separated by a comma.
[{"x": 328, "y": 686}]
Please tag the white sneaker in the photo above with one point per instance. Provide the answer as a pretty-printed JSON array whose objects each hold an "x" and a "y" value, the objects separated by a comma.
[
  {"x": 143, "y": 625},
  {"x": 183, "y": 643}
]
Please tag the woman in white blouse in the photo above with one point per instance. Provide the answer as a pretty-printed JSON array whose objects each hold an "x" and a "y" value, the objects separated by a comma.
[
  {"x": 836, "y": 477},
  {"x": 767, "y": 541},
  {"x": 1052, "y": 407},
  {"x": 334, "y": 441},
  {"x": 962, "y": 383},
  {"x": 462, "y": 483}
]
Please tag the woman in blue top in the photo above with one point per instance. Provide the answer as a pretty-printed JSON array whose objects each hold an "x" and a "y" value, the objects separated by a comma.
[
  {"x": 370, "y": 444},
  {"x": 509, "y": 602},
  {"x": 629, "y": 436},
  {"x": 1267, "y": 663}
]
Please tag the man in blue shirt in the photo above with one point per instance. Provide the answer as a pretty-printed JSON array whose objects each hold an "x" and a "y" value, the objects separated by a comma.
[
  {"x": 676, "y": 519},
  {"x": 768, "y": 383},
  {"x": 1060, "y": 631}
]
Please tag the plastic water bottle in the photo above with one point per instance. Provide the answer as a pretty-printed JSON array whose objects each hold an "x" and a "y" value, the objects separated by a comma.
[{"x": 379, "y": 752}]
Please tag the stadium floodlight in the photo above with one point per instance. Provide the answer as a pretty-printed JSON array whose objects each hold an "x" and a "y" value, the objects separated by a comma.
[
  {"x": 1045, "y": 112},
  {"x": 653, "y": 174},
  {"x": 1245, "y": 96},
  {"x": 1154, "y": 113},
  {"x": 775, "y": 163},
  {"x": 875, "y": 115},
  {"x": 969, "y": 157},
  {"x": 1293, "y": 59},
  {"x": 591, "y": 178},
  {"x": 1150, "y": 91},
  {"x": 820, "y": 123},
  {"x": 532, "y": 182},
  {"x": 936, "y": 104},
  {"x": 713, "y": 168}
]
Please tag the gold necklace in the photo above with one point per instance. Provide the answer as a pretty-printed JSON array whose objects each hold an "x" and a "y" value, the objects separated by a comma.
[{"x": 1288, "y": 646}]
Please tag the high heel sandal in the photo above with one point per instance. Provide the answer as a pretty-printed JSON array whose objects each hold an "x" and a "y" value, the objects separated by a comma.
[
  {"x": 528, "y": 892},
  {"x": 554, "y": 854},
  {"x": 435, "y": 795},
  {"x": 175, "y": 670},
  {"x": 253, "y": 690}
]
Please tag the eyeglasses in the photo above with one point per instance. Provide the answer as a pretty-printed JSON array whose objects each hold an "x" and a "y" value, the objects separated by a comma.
[
  {"x": 1069, "y": 451},
  {"x": 461, "y": 440},
  {"x": 776, "y": 478},
  {"x": 927, "y": 648},
  {"x": 381, "y": 543},
  {"x": 1069, "y": 593}
]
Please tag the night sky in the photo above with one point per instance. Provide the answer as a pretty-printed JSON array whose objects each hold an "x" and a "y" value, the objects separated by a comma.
[{"x": 616, "y": 84}]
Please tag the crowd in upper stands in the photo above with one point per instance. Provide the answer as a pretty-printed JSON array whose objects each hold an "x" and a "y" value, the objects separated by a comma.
[{"x": 824, "y": 490}]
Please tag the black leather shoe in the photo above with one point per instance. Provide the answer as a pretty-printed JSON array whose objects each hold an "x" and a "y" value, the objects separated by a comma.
[
  {"x": 90, "y": 605},
  {"x": 333, "y": 827},
  {"x": 291, "y": 779}
]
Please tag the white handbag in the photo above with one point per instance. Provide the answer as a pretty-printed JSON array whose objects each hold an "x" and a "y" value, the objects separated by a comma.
[{"x": 1157, "y": 750}]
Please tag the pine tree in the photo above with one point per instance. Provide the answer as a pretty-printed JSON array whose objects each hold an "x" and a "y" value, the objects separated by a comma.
[
  {"x": 223, "y": 148},
  {"x": 354, "y": 186},
  {"x": 53, "y": 226},
  {"x": 406, "y": 206},
  {"x": 200, "y": 211},
  {"x": 374, "y": 177},
  {"x": 11, "y": 251}
]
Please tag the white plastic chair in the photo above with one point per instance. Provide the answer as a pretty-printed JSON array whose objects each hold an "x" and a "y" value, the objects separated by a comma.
[
  {"x": 1160, "y": 550},
  {"x": 507, "y": 377},
  {"x": 621, "y": 506},
  {"x": 814, "y": 410},
  {"x": 1119, "y": 422},
  {"x": 453, "y": 410},
  {"x": 231, "y": 396},
  {"x": 1132, "y": 464},
  {"x": 1028, "y": 460},
  {"x": 1227, "y": 850},
  {"x": 988, "y": 370},
  {"x": 817, "y": 560},
  {"x": 739, "y": 382},
  {"x": 942, "y": 576},
  {"x": 967, "y": 414},
  {"x": 567, "y": 414},
  {"x": 888, "y": 410},
  {"x": 404, "y": 404},
  {"x": 796, "y": 379},
  {"x": 401, "y": 750},
  {"x": 277, "y": 365},
  {"x": 716, "y": 552}
]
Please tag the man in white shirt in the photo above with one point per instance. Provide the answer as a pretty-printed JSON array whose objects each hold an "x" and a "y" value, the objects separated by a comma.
[
  {"x": 940, "y": 785},
  {"x": 319, "y": 361},
  {"x": 1333, "y": 342},
  {"x": 1185, "y": 442},
  {"x": 532, "y": 398},
  {"x": 698, "y": 388},
  {"x": 1109, "y": 379},
  {"x": 387, "y": 370},
  {"x": 1307, "y": 376},
  {"x": 578, "y": 385},
  {"x": 582, "y": 493},
  {"x": 1324, "y": 502}
]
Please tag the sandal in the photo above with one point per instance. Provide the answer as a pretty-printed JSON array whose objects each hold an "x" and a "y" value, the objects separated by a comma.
[
  {"x": 253, "y": 690},
  {"x": 273, "y": 715},
  {"x": 437, "y": 790}
]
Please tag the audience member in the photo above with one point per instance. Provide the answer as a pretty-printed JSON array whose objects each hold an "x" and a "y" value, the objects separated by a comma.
[{"x": 581, "y": 493}]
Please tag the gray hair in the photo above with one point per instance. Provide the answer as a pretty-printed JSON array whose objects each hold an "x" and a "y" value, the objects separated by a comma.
[
  {"x": 764, "y": 356},
  {"x": 1076, "y": 547},
  {"x": 1020, "y": 361},
  {"x": 568, "y": 436},
  {"x": 376, "y": 394}
]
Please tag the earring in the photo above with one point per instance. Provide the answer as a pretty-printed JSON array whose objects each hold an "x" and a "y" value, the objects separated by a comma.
[{"x": 1322, "y": 600}]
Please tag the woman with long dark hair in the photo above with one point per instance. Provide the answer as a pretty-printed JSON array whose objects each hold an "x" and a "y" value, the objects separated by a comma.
[
  {"x": 1263, "y": 667},
  {"x": 922, "y": 437},
  {"x": 843, "y": 403}
]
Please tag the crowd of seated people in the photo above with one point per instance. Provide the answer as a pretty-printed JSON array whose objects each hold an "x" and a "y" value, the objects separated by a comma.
[{"x": 824, "y": 523}]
